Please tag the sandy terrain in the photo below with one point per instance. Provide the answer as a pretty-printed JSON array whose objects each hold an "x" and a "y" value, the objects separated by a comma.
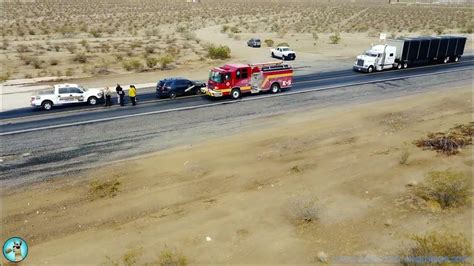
[{"x": 232, "y": 200}]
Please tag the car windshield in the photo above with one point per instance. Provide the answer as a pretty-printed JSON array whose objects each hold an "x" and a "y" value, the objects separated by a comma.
[
  {"x": 215, "y": 76},
  {"x": 285, "y": 49},
  {"x": 369, "y": 53},
  {"x": 257, "y": 40}
]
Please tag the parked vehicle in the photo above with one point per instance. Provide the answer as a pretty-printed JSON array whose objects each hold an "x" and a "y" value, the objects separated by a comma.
[
  {"x": 254, "y": 42},
  {"x": 235, "y": 79},
  {"x": 174, "y": 87},
  {"x": 405, "y": 52},
  {"x": 283, "y": 52},
  {"x": 62, "y": 94}
]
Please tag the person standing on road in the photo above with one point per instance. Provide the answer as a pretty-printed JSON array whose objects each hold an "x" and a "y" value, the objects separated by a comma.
[
  {"x": 120, "y": 95},
  {"x": 107, "y": 93},
  {"x": 132, "y": 93}
]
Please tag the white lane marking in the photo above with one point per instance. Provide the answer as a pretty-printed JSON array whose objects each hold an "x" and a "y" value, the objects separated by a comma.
[{"x": 222, "y": 103}]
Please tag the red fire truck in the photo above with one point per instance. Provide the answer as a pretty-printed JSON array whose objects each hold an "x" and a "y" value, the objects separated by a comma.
[{"x": 235, "y": 79}]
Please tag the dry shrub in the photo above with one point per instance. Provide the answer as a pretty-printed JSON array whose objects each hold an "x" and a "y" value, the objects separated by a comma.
[
  {"x": 80, "y": 58},
  {"x": 235, "y": 29},
  {"x": 54, "y": 62},
  {"x": 150, "y": 49},
  {"x": 37, "y": 64},
  {"x": 4, "y": 76},
  {"x": 449, "y": 143},
  {"x": 69, "y": 72},
  {"x": 225, "y": 28},
  {"x": 437, "y": 248},
  {"x": 108, "y": 188},
  {"x": 71, "y": 47},
  {"x": 269, "y": 42},
  {"x": 404, "y": 157},
  {"x": 335, "y": 38},
  {"x": 132, "y": 64},
  {"x": 151, "y": 62},
  {"x": 304, "y": 208},
  {"x": 172, "y": 258},
  {"x": 189, "y": 36},
  {"x": 22, "y": 49},
  {"x": 448, "y": 189},
  {"x": 218, "y": 52},
  {"x": 165, "y": 61},
  {"x": 96, "y": 33},
  {"x": 130, "y": 257}
]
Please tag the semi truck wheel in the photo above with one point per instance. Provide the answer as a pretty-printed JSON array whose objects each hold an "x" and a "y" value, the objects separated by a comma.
[
  {"x": 370, "y": 69},
  {"x": 92, "y": 100},
  {"x": 399, "y": 66},
  {"x": 446, "y": 60},
  {"x": 47, "y": 105},
  {"x": 235, "y": 94},
  {"x": 275, "y": 88},
  {"x": 405, "y": 65},
  {"x": 456, "y": 59}
]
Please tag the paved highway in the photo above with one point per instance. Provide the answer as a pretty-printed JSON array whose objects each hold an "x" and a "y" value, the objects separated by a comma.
[
  {"x": 31, "y": 119},
  {"x": 40, "y": 145}
]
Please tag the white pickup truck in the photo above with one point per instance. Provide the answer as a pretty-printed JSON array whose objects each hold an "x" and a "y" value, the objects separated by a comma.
[
  {"x": 283, "y": 52},
  {"x": 66, "y": 94}
]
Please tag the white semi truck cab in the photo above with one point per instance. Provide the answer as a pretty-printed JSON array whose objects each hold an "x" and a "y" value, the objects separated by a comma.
[{"x": 377, "y": 58}]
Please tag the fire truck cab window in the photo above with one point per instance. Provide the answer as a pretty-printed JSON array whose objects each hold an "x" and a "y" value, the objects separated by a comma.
[
  {"x": 242, "y": 73},
  {"x": 227, "y": 76}
]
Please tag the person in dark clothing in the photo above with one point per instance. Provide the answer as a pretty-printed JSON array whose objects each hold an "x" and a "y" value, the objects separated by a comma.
[{"x": 120, "y": 95}]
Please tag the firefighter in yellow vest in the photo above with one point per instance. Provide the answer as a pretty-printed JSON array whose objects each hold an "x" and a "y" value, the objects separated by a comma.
[{"x": 132, "y": 93}]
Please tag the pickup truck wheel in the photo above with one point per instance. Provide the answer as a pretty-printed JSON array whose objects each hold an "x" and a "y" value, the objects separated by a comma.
[
  {"x": 172, "y": 94},
  {"x": 47, "y": 105},
  {"x": 198, "y": 91},
  {"x": 235, "y": 94},
  {"x": 275, "y": 88},
  {"x": 92, "y": 100},
  {"x": 370, "y": 69},
  {"x": 283, "y": 57},
  {"x": 273, "y": 55}
]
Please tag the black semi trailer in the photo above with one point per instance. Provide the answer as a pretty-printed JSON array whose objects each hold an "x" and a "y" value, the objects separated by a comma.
[
  {"x": 405, "y": 52},
  {"x": 426, "y": 50}
]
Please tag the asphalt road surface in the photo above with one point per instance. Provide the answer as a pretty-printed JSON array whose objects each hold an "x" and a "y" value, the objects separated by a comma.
[{"x": 38, "y": 144}]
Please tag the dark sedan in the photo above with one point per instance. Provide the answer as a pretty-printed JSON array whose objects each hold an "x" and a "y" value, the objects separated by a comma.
[{"x": 175, "y": 87}]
